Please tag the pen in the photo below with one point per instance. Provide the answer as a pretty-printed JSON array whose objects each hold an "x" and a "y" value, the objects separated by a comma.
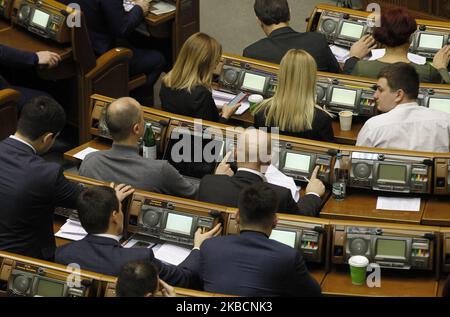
[{"x": 306, "y": 179}]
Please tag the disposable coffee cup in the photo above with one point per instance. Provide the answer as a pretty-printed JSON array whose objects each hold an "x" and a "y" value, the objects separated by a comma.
[
  {"x": 358, "y": 268},
  {"x": 345, "y": 117},
  {"x": 254, "y": 100}
]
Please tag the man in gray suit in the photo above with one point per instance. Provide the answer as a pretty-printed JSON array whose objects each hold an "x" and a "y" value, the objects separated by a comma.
[{"x": 123, "y": 164}]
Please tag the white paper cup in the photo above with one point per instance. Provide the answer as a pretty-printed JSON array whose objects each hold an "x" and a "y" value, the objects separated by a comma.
[
  {"x": 345, "y": 118},
  {"x": 254, "y": 100}
]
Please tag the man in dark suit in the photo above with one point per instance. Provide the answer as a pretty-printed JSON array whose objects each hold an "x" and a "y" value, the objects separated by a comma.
[
  {"x": 11, "y": 58},
  {"x": 224, "y": 189},
  {"x": 100, "y": 213},
  {"x": 111, "y": 26},
  {"x": 250, "y": 264},
  {"x": 273, "y": 16},
  {"x": 30, "y": 187}
]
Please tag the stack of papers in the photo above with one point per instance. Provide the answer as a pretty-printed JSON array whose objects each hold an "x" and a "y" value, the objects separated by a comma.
[
  {"x": 221, "y": 98},
  {"x": 398, "y": 203},
  {"x": 71, "y": 230},
  {"x": 171, "y": 254},
  {"x": 82, "y": 154},
  {"x": 274, "y": 176}
]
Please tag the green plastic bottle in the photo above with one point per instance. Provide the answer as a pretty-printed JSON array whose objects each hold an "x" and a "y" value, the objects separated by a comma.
[{"x": 149, "y": 143}]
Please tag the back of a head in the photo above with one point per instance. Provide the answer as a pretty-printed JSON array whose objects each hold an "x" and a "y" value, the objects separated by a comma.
[
  {"x": 292, "y": 107},
  {"x": 137, "y": 279},
  {"x": 195, "y": 63},
  {"x": 258, "y": 205},
  {"x": 121, "y": 116},
  {"x": 272, "y": 12},
  {"x": 397, "y": 26},
  {"x": 402, "y": 76},
  {"x": 39, "y": 116},
  {"x": 95, "y": 206}
]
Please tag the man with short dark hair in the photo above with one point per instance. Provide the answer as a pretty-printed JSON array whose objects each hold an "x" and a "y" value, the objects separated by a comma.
[
  {"x": 404, "y": 125},
  {"x": 30, "y": 187},
  {"x": 123, "y": 164},
  {"x": 273, "y": 16},
  {"x": 140, "y": 279},
  {"x": 100, "y": 212},
  {"x": 251, "y": 264}
]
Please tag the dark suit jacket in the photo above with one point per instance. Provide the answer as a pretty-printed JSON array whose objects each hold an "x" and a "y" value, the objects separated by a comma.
[
  {"x": 108, "y": 21},
  {"x": 250, "y": 264},
  {"x": 106, "y": 256},
  {"x": 198, "y": 103},
  {"x": 275, "y": 46},
  {"x": 30, "y": 189},
  {"x": 224, "y": 190},
  {"x": 322, "y": 129},
  {"x": 17, "y": 59}
]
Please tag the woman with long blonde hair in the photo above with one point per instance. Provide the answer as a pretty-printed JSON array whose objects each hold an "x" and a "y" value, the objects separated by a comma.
[
  {"x": 293, "y": 108},
  {"x": 186, "y": 89}
]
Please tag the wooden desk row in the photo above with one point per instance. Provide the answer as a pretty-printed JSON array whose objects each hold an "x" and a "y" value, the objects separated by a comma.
[{"x": 334, "y": 279}]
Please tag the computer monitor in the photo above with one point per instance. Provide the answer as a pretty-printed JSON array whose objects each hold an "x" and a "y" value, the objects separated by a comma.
[
  {"x": 284, "y": 236},
  {"x": 431, "y": 41},
  {"x": 439, "y": 103},
  {"x": 390, "y": 249},
  {"x": 40, "y": 18},
  {"x": 254, "y": 82},
  {"x": 48, "y": 288},
  {"x": 351, "y": 30},
  {"x": 392, "y": 174},
  {"x": 179, "y": 224},
  {"x": 297, "y": 162},
  {"x": 344, "y": 97}
]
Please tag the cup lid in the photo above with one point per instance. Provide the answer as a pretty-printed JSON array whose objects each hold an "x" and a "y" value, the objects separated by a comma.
[
  {"x": 255, "y": 98},
  {"x": 358, "y": 261},
  {"x": 346, "y": 113}
]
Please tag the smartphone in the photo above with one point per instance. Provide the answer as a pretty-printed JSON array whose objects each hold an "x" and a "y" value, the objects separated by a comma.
[{"x": 241, "y": 96}]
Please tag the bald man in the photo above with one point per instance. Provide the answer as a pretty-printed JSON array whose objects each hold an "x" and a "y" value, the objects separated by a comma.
[
  {"x": 123, "y": 164},
  {"x": 253, "y": 155}
]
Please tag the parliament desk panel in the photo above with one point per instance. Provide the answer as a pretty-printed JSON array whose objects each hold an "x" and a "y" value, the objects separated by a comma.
[
  {"x": 437, "y": 211},
  {"x": 338, "y": 283},
  {"x": 361, "y": 205}
]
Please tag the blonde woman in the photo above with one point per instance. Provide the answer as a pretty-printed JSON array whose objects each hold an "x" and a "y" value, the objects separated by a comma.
[
  {"x": 186, "y": 89},
  {"x": 293, "y": 107}
]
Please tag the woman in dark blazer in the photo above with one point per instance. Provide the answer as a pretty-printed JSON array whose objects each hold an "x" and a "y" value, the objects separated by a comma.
[
  {"x": 186, "y": 89},
  {"x": 293, "y": 108}
]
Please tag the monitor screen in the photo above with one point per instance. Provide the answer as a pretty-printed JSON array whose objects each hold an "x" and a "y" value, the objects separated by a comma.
[
  {"x": 254, "y": 82},
  {"x": 40, "y": 18},
  {"x": 391, "y": 248},
  {"x": 392, "y": 173},
  {"x": 297, "y": 162},
  {"x": 342, "y": 96},
  {"x": 179, "y": 224},
  {"x": 285, "y": 237},
  {"x": 48, "y": 288},
  {"x": 352, "y": 30},
  {"x": 441, "y": 104},
  {"x": 432, "y": 41}
]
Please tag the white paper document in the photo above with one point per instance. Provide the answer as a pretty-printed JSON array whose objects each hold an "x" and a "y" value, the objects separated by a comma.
[
  {"x": 398, "y": 203},
  {"x": 341, "y": 53},
  {"x": 172, "y": 254},
  {"x": 221, "y": 98},
  {"x": 274, "y": 176},
  {"x": 134, "y": 243},
  {"x": 82, "y": 154},
  {"x": 162, "y": 8},
  {"x": 71, "y": 230}
]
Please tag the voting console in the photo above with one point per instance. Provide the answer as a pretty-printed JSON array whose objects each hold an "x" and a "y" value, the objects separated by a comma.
[
  {"x": 344, "y": 27},
  {"x": 153, "y": 216},
  {"x": 442, "y": 175},
  {"x": 44, "y": 18},
  {"x": 389, "y": 246}
]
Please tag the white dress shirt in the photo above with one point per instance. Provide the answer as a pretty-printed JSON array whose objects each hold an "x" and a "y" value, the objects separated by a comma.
[
  {"x": 408, "y": 127},
  {"x": 24, "y": 142}
]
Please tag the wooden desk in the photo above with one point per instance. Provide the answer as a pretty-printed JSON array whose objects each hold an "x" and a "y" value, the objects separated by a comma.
[
  {"x": 318, "y": 274},
  {"x": 437, "y": 211},
  {"x": 361, "y": 206},
  {"x": 346, "y": 137},
  {"x": 4, "y": 25},
  {"x": 95, "y": 143},
  {"x": 442, "y": 282},
  {"x": 155, "y": 20},
  {"x": 338, "y": 283}
]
